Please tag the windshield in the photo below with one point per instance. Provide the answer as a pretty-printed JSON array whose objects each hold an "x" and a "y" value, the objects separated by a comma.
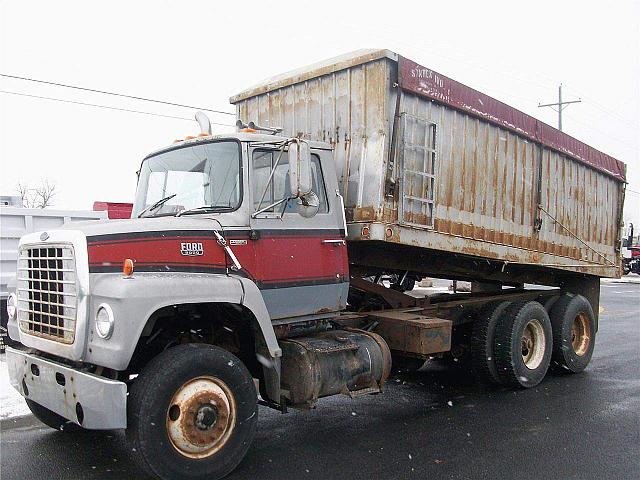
[{"x": 205, "y": 174}]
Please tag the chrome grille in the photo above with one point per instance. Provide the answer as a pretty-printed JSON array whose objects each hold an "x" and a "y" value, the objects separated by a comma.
[{"x": 47, "y": 291}]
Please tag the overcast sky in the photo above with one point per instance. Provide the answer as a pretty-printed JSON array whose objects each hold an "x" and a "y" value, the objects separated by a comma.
[{"x": 201, "y": 53}]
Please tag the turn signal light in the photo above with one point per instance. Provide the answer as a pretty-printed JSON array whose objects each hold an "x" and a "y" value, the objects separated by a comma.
[
  {"x": 127, "y": 267},
  {"x": 248, "y": 130}
]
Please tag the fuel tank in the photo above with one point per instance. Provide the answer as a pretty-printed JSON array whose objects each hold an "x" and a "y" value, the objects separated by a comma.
[{"x": 350, "y": 362}]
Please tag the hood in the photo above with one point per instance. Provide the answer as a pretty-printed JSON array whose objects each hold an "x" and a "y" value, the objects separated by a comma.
[
  {"x": 143, "y": 226},
  {"x": 157, "y": 244}
]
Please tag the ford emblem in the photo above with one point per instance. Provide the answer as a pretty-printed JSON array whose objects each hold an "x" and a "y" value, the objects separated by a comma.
[{"x": 44, "y": 236}]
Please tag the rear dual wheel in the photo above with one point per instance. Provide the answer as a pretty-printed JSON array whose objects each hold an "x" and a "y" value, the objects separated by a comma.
[
  {"x": 523, "y": 344},
  {"x": 482, "y": 357},
  {"x": 574, "y": 330},
  {"x": 514, "y": 344}
]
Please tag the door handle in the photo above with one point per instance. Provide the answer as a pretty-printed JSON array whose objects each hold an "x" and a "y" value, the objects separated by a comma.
[{"x": 335, "y": 242}]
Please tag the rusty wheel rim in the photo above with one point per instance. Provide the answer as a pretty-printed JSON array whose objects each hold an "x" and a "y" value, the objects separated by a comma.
[
  {"x": 201, "y": 417},
  {"x": 533, "y": 343},
  {"x": 580, "y": 334}
]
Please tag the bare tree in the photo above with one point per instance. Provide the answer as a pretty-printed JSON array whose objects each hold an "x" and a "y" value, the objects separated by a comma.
[
  {"x": 40, "y": 196},
  {"x": 25, "y": 194},
  {"x": 44, "y": 193}
]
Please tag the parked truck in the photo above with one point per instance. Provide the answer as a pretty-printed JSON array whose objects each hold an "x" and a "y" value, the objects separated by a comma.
[
  {"x": 248, "y": 273},
  {"x": 630, "y": 251}
]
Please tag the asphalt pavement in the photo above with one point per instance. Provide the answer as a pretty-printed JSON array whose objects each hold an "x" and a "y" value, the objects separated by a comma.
[{"x": 434, "y": 423}]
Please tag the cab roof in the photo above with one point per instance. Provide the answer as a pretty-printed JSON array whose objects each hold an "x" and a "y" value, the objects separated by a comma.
[{"x": 247, "y": 137}]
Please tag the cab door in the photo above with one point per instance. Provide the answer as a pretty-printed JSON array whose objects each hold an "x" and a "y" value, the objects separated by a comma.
[{"x": 301, "y": 263}]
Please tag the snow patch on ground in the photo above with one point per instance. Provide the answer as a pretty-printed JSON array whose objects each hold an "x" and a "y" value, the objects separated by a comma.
[
  {"x": 630, "y": 278},
  {"x": 11, "y": 402}
]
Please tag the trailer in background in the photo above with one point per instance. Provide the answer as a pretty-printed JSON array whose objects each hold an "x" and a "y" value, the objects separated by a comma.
[{"x": 16, "y": 222}]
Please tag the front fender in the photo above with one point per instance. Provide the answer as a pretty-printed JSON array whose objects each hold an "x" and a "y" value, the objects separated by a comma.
[
  {"x": 252, "y": 299},
  {"x": 134, "y": 300}
]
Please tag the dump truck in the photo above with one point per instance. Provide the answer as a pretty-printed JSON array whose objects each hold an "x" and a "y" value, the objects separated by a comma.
[{"x": 250, "y": 271}]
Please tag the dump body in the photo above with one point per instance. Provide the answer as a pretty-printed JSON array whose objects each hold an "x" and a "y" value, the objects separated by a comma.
[{"x": 444, "y": 175}]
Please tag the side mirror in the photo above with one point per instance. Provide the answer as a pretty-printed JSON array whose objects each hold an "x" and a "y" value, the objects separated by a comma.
[
  {"x": 299, "y": 168},
  {"x": 308, "y": 205}
]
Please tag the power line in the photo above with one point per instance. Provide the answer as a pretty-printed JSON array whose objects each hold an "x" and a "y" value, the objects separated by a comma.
[
  {"x": 107, "y": 107},
  {"x": 604, "y": 109},
  {"x": 104, "y": 92},
  {"x": 600, "y": 131}
]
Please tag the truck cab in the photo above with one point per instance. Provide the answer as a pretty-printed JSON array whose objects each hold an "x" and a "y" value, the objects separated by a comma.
[{"x": 241, "y": 186}]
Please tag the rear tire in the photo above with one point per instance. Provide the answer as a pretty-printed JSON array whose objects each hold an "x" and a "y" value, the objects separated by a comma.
[
  {"x": 523, "y": 344},
  {"x": 550, "y": 302},
  {"x": 52, "y": 419},
  {"x": 574, "y": 333},
  {"x": 192, "y": 413},
  {"x": 483, "y": 359}
]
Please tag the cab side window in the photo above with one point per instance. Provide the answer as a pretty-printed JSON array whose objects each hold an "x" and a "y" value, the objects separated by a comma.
[{"x": 278, "y": 188}]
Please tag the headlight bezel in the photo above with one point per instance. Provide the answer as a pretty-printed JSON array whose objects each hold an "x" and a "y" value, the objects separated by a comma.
[
  {"x": 99, "y": 323},
  {"x": 12, "y": 310}
]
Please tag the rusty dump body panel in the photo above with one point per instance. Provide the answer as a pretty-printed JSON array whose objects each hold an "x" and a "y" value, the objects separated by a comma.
[{"x": 443, "y": 175}]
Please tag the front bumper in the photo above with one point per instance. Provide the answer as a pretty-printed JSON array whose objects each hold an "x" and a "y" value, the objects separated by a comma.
[{"x": 103, "y": 402}]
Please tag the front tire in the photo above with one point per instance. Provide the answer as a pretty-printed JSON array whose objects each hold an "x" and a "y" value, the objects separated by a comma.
[
  {"x": 523, "y": 344},
  {"x": 192, "y": 413}
]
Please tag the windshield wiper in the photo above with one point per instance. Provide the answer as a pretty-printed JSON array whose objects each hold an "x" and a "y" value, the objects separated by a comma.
[
  {"x": 203, "y": 208},
  {"x": 156, "y": 205}
]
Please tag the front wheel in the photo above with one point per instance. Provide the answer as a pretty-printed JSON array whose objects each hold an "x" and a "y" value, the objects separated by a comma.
[{"x": 192, "y": 413}]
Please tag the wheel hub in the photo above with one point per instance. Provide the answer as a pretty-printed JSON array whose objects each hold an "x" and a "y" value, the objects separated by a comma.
[
  {"x": 533, "y": 344},
  {"x": 201, "y": 417},
  {"x": 206, "y": 417},
  {"x": 580, "y": 334}
]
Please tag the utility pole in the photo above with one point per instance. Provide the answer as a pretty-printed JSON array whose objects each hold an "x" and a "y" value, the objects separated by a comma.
[{"x": 560, "y": 105}]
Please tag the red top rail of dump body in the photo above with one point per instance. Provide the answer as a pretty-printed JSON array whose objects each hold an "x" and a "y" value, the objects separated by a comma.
[
  {"x": 114, "y": 209},
  {"x": 428, "y": 83}
]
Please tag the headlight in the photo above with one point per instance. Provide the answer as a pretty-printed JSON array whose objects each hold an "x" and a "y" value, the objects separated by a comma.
[
  {"x": 104, "y": 321},
  {"x": 12, "y": 303}
]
